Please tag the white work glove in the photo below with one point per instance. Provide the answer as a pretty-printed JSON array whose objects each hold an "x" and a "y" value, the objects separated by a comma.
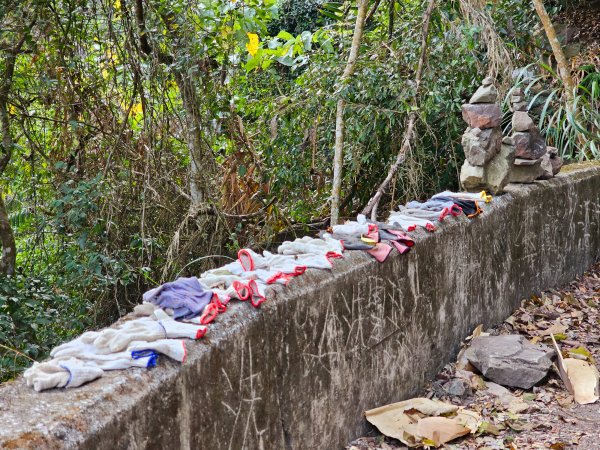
[
  {"x": 233, "y": 268},
  {"x": 210, "y": 281},
  {"x": 250, "y": 260},
  {"x": 257, "y": 289},
  {"x": 351, "y": 228},
  {"x": 308, "y": 245},
  {"x": 263, "y": 275},
  {"x": 83, "y": 348},
  {"x": 408, "y": 223},
  {"x": 67, "y": 373},
  {"x": 173, "y": 348},
  {"x": 283, "y": 263},
  {"x": 113, "y": 340},
  {"x": 82, "y": 345},
  {"x": 145, "y": 309},
  {"x": 46, "y": 375},
  {"x": 314, "y": 261}
]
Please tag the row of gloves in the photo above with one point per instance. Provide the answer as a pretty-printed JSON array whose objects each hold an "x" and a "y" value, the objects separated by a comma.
[
  {"x": 175, "y": 310},
  {"x": 426, "y": 214}
]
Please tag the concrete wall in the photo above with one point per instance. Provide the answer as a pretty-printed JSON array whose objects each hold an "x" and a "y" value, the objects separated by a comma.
[{"x": 299, "y": 372}]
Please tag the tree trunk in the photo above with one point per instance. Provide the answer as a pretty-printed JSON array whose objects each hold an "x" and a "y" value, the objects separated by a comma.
[
  {"x": 373, "y": 204},
  {"x": 559, "y": 54},
  {"x": 201, "y": 162},
  {"x": 338, "y": 158},
  {"x": 7, "y": 238}
]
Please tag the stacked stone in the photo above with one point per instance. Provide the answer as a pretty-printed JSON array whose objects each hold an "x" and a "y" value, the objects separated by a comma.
[
  {"x": 488, "y": 162},
  {"x": 533, "y": 159}
]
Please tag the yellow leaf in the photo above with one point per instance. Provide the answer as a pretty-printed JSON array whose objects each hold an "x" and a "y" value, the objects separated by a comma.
[
  {"x": 252, "y": 45},
  {"x": 136, "y": 109},
  {"x": 117, "y": 5}
]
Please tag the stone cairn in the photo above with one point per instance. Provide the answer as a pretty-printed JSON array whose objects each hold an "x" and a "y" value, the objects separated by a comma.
[
  {"x": 488, "y": 161},
  {"x": 491, "y": 161},
  {"x": 533, "y": 159}
]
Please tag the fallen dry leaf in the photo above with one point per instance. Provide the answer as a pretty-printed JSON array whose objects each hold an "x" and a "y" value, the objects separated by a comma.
[
  {"x": 562, "y": 371},
  {"x": 584, "y": 379},
  {"x": 439, "y": 430},
  {"x": 554, "y": 329},
  {"x": 418, "y": 420}
]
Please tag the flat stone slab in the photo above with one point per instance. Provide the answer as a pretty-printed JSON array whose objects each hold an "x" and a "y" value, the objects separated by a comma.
[{"x": 482, "y": 115}]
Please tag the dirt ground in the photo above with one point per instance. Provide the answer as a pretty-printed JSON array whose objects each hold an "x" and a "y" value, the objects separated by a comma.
[{"x": 546, "y": 416}]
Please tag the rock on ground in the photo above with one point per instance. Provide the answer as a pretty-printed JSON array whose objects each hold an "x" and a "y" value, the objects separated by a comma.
[{"x": 510, "y": 360}]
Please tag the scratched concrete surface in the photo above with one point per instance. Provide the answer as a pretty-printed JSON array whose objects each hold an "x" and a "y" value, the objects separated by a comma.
[{"x": 298, "y": 373}]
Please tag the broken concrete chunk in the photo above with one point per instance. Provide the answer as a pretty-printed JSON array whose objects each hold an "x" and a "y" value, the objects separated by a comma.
[
  {"x": 508, "y": 140},
  {"x": 481, "y": 145},
  {"x": 552, "y": 151},
  {"x": 482, "y": 115},
  {"x": 497, "y": 172},
  {"x": 521, "y": 121},
  {"x": 471, "y": 177},
  {"x": 485, "y": 94},
  {"x": 510, "y": 360}
]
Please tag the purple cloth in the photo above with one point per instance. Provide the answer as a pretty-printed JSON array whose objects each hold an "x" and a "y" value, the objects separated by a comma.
[{"x": 185, "y": 296}]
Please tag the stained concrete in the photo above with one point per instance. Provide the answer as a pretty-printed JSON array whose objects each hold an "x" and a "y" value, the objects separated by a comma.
[{"x": 298, "y": 373}]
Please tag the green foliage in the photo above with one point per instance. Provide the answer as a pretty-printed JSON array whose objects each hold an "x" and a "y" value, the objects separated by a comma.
[
  {"x": 34, "y": 317},
  {"x": 298, "y": 16}
]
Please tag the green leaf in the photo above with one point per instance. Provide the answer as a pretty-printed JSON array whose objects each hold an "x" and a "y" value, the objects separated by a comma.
[{"x": 285, "y": 35}]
